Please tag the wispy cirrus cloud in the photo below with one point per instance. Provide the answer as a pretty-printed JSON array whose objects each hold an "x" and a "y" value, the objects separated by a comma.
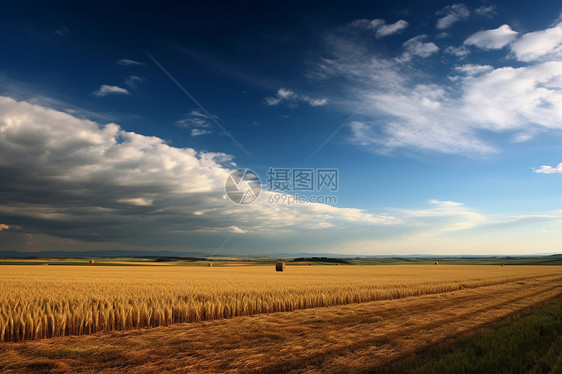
[
  {"x": 452, "y": 14},
  {"x": 133, "y": 80},
  {"x": 417, "y": 46},
  {"x": 290, "y": 98},
  {"x": 63, "y": 31},
  {"x": 381, "y": 28},
  {"x": 128, "y": 62},
  {"x": 408, "y": 108},
  {"x": 106, "y": 89},
  {"x": 488, "y": 11},
  {"x": 199, "y": 123}
]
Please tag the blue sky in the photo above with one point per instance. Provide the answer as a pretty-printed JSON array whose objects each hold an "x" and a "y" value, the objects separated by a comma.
[{"x": 443, "y": 120}]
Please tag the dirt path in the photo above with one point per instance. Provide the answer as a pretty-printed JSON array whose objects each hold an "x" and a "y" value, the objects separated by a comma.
[{"x": 348, "y": 338}]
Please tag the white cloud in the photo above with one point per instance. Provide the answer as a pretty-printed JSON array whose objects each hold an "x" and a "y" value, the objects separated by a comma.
[
  {"x": 368, "y": 24},
  {"x": 534, "y": 45},
  {"x": 127, "y": 62},
  {"x": 286, "y": 94},
  {"x": 473, "y": 70},
  {"x": 515, "y": 98},
  {"x": 199, "y": 123},
  {"x": 197, "y": 132},
  {"x": 292, "y": 99},
  {"x": 133, "y": 80},
  {"x": 391, "y": 29},
  {"x": 104, "y": 183},
  {"x": 107, "y": 89},
  {"x": 237, "y": 230},
  {"x": 63, "y": 31},
  {"x": 453, "y": 215},
  {"x": 417, "y": 47},
  {"x": 492, "y": 39},
  {"x": 272, "y": 101},
  {"x": 397, "y": 112},
  {"x": 381, "y": 28},
  {"x": 486, "y": 11},
  {"x": 451, "y": 15},
  {"x": 460, "y": 52},
  {"x": 315, "y": 102},
  {"x": 138, "y": 201},
  {"x": 546, "y": 169},
  {"x": 104, "y": 187},
  {"x": 8, "y": 227}
]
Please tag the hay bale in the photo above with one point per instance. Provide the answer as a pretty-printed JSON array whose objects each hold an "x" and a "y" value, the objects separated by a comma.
[
  {"x": 280, "y": 266},
  {"x": 436, "y": 263},
  {"x": 210, "y": 264},
  {"x": 501, "y": 265},
  {"x": 91, "y": 261}
]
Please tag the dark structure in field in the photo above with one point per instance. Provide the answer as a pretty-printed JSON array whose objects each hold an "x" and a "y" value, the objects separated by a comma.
[{"x": 280, "y": 266}]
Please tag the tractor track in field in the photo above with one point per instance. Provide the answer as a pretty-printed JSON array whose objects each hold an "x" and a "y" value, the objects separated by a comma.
[{"x": 369, "y": 345}]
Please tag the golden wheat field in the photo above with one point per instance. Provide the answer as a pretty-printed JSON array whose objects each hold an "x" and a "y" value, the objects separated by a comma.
[{"x": 46, "y": 301}]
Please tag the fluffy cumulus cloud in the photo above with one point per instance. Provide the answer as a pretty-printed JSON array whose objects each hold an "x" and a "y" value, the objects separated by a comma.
[
  {"x": 452, "y": 14},
  {"x": 106, "y": 89},
  {"x": 74, "y": 179},
  {"x": 292, "y": 99},
  {"x": 380, "y": 27},
  {"x": 547, "y": 169},
  {"x": 539, "y": 44},
  {"x": 492, "y": 39},
  {"x": 507, "y": 99}
]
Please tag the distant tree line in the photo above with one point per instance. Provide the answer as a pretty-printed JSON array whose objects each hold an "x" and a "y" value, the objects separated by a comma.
[{"x": 321, "y": 259}]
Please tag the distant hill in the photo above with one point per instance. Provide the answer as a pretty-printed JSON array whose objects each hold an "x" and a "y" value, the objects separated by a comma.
[{"x": 109, "y": 254}]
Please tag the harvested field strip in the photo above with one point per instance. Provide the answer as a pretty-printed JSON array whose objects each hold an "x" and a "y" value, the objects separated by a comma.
[{"x": 534, "y": 345}]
